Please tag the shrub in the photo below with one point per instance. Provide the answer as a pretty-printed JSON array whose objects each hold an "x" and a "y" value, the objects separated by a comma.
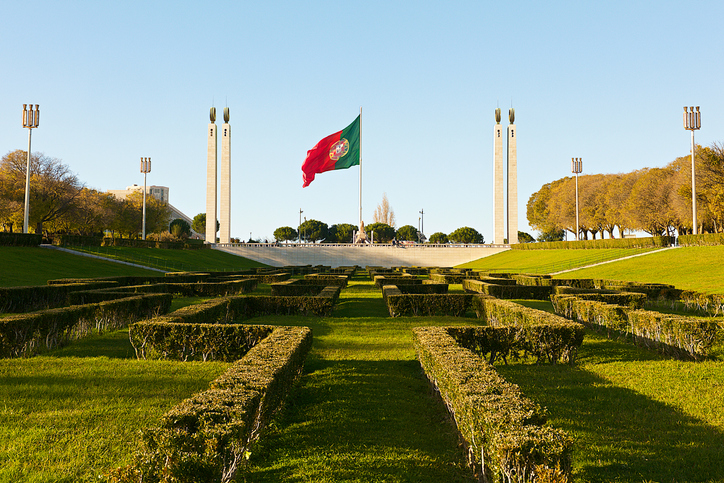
[
  {"x": 24, "y": 335},
  {"x": 205, "y": 438},
  {"x": 502, "y": 429}
]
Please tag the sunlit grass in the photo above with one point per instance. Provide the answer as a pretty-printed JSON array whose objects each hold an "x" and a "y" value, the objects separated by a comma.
[{"x": 69, "y": 415}]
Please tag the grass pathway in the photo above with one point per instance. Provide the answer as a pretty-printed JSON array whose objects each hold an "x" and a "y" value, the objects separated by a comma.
[{"x": 363, "y": 410}]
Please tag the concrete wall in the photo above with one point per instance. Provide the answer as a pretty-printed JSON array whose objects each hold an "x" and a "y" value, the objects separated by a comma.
[{"x": 362, "y": 255}]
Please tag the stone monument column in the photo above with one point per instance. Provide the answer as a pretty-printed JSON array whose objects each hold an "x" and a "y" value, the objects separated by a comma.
[
  {"x": 211, "y": 180},
  {"x": 225, "y": 178},
  {"x": 498, "y": 182},
  {"x": 512, "y": 180}
]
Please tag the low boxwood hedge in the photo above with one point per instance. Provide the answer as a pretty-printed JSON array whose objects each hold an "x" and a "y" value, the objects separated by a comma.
[
  {"x": 541, "y": 334},
  {"x": 504, "y": 432},
  {"x": 531, "y": 292},
  {"x": 206, "y": 437},
  {"x": 674, "y": 335},
  {"x": 23, "y": 335},
  {"x": 416, "y": 305},
  {"x": 27, "y": 299}
]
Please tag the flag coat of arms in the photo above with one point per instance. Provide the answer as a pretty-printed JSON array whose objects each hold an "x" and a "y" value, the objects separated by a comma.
[{"x": 337, "y": 151}]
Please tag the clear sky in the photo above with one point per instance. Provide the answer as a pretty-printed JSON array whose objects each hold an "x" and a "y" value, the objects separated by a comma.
[{"x": 117, "y": 81}]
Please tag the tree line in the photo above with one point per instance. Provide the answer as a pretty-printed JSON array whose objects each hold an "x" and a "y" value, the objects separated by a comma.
[
  {"x": 61, "y": 204},
  {"x": 654, "y": 200},
  {"x": 317, "y": 231}
]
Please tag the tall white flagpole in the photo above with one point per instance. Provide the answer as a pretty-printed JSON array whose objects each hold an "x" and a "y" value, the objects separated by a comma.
[{"x": 360, "y": 166}]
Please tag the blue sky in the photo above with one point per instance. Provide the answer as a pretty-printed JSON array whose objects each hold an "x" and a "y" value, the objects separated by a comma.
[{"x": 117, "y": 81}]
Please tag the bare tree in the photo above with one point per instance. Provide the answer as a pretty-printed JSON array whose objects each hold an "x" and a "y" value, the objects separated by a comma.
[{"x": 383, "y": 213}]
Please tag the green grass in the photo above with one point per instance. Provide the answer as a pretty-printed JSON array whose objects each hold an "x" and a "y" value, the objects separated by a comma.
[
  {"x": 548, "y": 261},
  {"x": 25, "y": 266},
  {"x": 689, "y": 268},
  {"x": 176, "y": 260},
  {"x": 71, "y": 414},
  {"x": 363, "y": 411},
  {"x": 634, "y": 415}
]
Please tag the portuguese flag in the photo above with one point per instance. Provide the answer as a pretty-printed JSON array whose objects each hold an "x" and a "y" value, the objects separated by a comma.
[{"x": 337, "y": 151}]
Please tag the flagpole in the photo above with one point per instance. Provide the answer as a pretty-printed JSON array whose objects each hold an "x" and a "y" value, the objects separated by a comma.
[{"x": 360, "y": 166}]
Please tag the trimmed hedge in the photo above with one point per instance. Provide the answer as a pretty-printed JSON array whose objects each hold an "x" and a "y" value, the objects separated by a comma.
[
  {"x": 382, "y": 280},
  {"x": 541, "y": 334},
  {"x": 156, "y": 339},
  {"x": 293, "y": 288},
  {"x": 205, "y": 438},
  {"x": 426, "y": 287},
  {"x": 680, "y": 337},
  {"x": 20, "y": 239},
  {"x": 645, "y": 242},
  {"x": 705, "y": 239},
  {"x": 328, "y": 279},
  {"x": 530, "y": 292},
  {"x": 201, "y": 289},
  {"x": 503, "y": 430},
  {"x": 447, "y": 277},
  {"x": 40, "y": 297},
  {"x": 24, "y": 335},
  {"x": 415, "y": 305}
]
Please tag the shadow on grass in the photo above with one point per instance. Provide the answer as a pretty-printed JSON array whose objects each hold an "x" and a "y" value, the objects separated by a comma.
[
  {"x": 353, "y": 420},
  {"x": 114, "y": 345},
  {"x": 621, "y": 435}
]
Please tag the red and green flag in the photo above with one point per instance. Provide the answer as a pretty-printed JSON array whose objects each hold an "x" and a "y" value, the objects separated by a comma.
[{"x": 337, "y": 151}]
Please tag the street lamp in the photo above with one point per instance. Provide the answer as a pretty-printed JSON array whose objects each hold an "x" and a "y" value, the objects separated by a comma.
[
  {"x": 577, "y": 168},
  {"x": 31, "y": 119},
  {"x": 692, "y": 122},
  {"x": 145, "y": 169},
  {"x": 299, "y": 227},
  {"x": 422, "y": 221}
]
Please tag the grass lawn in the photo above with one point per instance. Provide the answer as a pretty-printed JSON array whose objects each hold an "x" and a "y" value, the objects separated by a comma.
[
  {"x": 689, "y": 268},
  {"x": 548, "y": 261},
  {"x": 24, "y": 266},
  {"x": 72, "y": 413},
  {"x": 176, "y": 260},
  {"x": 363, "y": 410}
]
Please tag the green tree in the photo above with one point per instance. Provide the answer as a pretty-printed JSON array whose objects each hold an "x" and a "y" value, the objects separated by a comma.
[
  {"x": 383, "y": 232},
  {"x": 180, "y": 228},
  {"x": 524, "y": 237},
  {"x": 466, "y": 234},
  {"x": 198, "y": 224},
  {"x": 341, "y": 233},
  {"x": 314, "y": 230},
  {"x": 554, "y": 234},
  {"x": 438, "y": 238},
  {"x": 53, "y": 187},
  {"x": 285, "y": 233},
  {"x": 407, "y": 233}
]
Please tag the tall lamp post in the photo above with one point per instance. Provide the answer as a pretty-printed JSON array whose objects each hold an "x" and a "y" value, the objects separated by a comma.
[
  {"x": 577, "y": 168},
  {"x": 422, "y": 221},
  {"x": 692, "y": 122},
  {"x": 145, "y": 169},
  {"x": 31, "y": 119},
  {"x": 299, "y": 228}
]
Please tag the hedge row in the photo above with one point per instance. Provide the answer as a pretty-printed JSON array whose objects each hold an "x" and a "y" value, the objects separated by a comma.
[
  {"x": 447, "y": 277},
  {"x": 219, "y": 289},
  {"x": 705, "y": 239},
  {"x": 712, "y": 304},
  {"x": 401, "y": 304},
  {"x": 293, "y": 288},
  {"x": 328, "y": 279},
  {"x": 656, "y": 241},
  {"x": 206, "y": 437},
  {"x": 158, "y": 339},
  {"x": 530, "y": 292},
  {"x": 136, "y": 243},
  {"x": 543, "y": 335},
  {"x": 20, "y": 239},
  {"x": 27, "y": 299},
  {"x": 265, "y": 277},
  {"x": 680, "y": 337},
  {"x": 23, "y": 335},
  {"x": 503, "y": 430},
  {"x": 382, "y": 280},
  {"x": 426, "y": 287}
]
